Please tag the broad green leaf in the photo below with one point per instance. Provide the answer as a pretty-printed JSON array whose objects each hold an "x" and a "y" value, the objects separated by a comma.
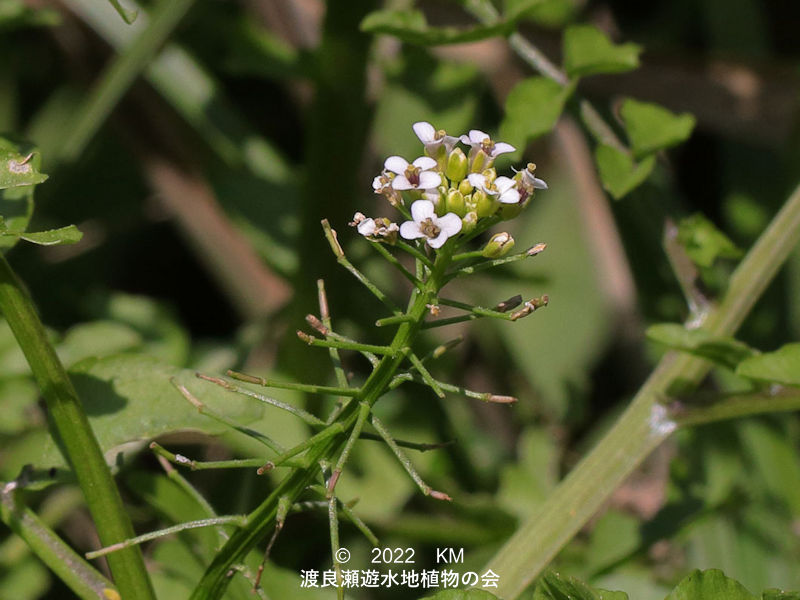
[
  {"x": 651, "y": 127},
  {"x": 128, "y": 14},
  {"x": 618, "y": 172},
  {"x": 412, "y": 27},
  {"x": 527, "y": 482},
  {"x": 129, "y": 397},
  {"x": 588, "y": 51},
  {"x": 709, "y": 585},
  {"x": 52, "y": 237},
  {"x": 17, "y": 168},
  {"x": 703, "y": 242},
  {"x": 461, "y": 595},
  {"x": 533, "y": 107},
  {"x": 781, "y": 366},
  {"x": 554, "y": 586},
  {"x": 775, "y": 460},
  {"x": 725, "y": 351},
  {"x": 550, "y": 13}
]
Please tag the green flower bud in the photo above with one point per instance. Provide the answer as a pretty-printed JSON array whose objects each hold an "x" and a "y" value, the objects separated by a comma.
[
  {"x": 511, "y": 211},
  {"x": 457, "y": 165},
  {"x": 480, "y": 161},
  {"x": 500, "y": 245},
  {"x": 485, "y": 205},
  {"x": 465, "y": 187},
  {"x": 456, "y": 203},
  {"x": 469, "y": 222}
]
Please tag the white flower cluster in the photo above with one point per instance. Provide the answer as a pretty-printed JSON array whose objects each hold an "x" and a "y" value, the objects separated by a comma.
[{"x": 448, "y": 191}]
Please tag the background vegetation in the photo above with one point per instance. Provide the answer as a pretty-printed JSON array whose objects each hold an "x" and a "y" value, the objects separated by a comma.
[{"x": 197, "y": 150}]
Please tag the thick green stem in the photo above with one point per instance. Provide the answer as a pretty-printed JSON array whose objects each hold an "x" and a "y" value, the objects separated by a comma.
[
  {"x": 74, "y": 436},
  {"x": 644, "y": 425},
  {"x": 75, "y": 572}
]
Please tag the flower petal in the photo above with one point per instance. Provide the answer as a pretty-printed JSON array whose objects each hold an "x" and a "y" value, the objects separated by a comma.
[
  {"x": 476, "y": 136},
  {"x": 510, "y": 196},
  {"x": 425, "y": 132},
  {"x": 449, "y": 224},
  {"x": 503, "y": 183},
  {"x": 477, "y": 180},
  {"x": 539, "y": 184},
  {"x": 401, "y": 182},
  {"x": 429, "y": 180},
  {"x": 421, "y": 210},
  {"x": 438, "y": 241},
  {"x": 396, "y": 164},
  {"x": 502, "y": 148},
  {"x": 377, "y": 183},
  {"x": 410, "y": 230},
  {"x": 366, "y": 227},
  {"x": 425, "y": 162}
]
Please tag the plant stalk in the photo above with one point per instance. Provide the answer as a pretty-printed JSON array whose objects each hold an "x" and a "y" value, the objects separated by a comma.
[{"x": 74, "y": 436}]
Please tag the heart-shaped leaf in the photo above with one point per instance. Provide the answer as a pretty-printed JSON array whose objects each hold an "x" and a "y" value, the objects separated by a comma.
[
  {"x": 781, "y": 366},
  {"x": 709, "y": 585},
  {"x": 532, "y": 108},
  {"x": 651, "y": 127},
  {"x": 588, "y": 51},
  {"x": 618, "y": 171}
]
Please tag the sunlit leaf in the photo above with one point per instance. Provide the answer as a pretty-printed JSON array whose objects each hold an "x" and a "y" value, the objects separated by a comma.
[
  {"x": 725, "y": 351},
  {"x": 550, "y": 13},
  {"x": 412, "y": 27},
  {"x": 18, "y": 168},
  {"x": 781, "y": 366},
  {"x": 588, "y": 51},
  {"x": 52, "y": 237},
  {"x": 651, "y": 127},
  {"x": 618, "y": 171},
  {"x": 554, "y": 586},
  {"x": 709, "y": 585},
  {"x": 129, "y": 397},
  {"x": 533, "y": 107}
]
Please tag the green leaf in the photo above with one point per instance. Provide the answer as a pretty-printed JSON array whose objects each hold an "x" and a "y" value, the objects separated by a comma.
[
  {"x": 588, "y": 51},
  {"x": 554, "y": 586},
  {"x": 17, "y": 167},
  {"x": 128, "y": 14},
  {"x": 533, "y": 107},
  {"x": 412, "y": 27},
  {"x": 461, "y": 595},
  {"x": 129, "y": 397},
  {"x": 550, "y": 13},
  {"x": 618, "y": 172},
  {"x": 781, "y": 366},
  {"x": 52, "y": 237},
  {"x": 651, "y": 127},
  {"x": 615, "y": 536},
  {"x": 709, "y": 585},
  {"x": 703, "y": 242},
  {"x": 725, "y": 351}
]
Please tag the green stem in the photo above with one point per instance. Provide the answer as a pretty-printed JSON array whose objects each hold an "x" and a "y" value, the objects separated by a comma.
[
  {"x": 644, "y": 425},
  {"x": 70, "y": 567},
  {"x": 74, "y": 435},
  {"x": 735, "y": 406}
]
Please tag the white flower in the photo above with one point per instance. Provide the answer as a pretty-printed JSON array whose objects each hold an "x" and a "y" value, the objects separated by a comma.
[
  {"x": 502, "y": 187},
  {"x": 427, "y": 225},
  {"x": 375, "y": 228},
  {"x": 528, "y": 178},
  {"x": 480, "y": 140},
  {"x": 414, "y": 176},
  {"x": 433, "y": 138}
]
